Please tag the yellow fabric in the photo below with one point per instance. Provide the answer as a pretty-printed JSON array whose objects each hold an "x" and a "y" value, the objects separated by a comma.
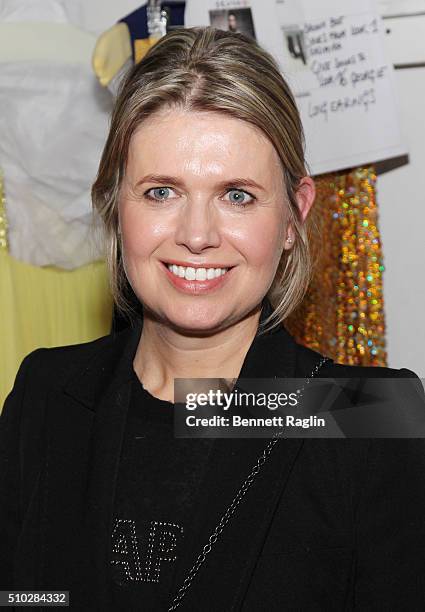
[
  {"x": 112, "y": 50},
  {"x": 45, "y": 307},
  {"x": 142, "y": 46}
]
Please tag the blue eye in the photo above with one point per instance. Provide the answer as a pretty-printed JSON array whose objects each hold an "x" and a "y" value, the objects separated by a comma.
[
  {"x": 241, "y": 199},
  {"x": 161, "y": 195}
]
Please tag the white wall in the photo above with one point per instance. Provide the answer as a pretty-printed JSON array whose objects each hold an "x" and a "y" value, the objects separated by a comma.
[{"x": 401, "y": 198}]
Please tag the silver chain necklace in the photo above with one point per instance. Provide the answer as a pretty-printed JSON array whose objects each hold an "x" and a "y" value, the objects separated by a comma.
[{"x": 235, "y": 502}]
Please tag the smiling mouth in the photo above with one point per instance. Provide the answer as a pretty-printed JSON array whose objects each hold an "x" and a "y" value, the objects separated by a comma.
[{"x": 198, "y": 273}]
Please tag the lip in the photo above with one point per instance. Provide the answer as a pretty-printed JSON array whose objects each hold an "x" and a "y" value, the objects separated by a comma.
[
  {"x": 200, "y": 265},
  {"x": 197, "y": 287}
]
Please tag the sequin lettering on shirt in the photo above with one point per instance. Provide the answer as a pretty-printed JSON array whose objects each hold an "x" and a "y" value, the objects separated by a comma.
[
  {"x": 141, "y": 556},
  {"x": 124, "y": 548}
]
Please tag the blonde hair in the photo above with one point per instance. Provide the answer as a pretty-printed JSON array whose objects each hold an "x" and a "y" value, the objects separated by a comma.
[{"x": 207, "y": 69}]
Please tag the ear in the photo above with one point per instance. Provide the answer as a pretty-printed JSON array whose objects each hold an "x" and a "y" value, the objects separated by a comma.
[{"x": 305, "y": 196}]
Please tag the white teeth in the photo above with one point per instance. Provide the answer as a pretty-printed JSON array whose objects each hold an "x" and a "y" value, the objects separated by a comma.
[
  {"x": 196, "y": 273},
  {"x": 201, "y": 274}
]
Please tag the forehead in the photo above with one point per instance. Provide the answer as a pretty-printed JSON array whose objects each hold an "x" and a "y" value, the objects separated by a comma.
[{"x": 199, "y": 141}]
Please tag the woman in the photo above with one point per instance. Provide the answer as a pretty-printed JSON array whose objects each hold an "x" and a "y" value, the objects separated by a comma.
[{"x": 204, "y": 195}]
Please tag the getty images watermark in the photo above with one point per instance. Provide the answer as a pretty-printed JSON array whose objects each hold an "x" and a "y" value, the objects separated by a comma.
[
  {"x": 225, "y": 401},
  {"x": 325, "y": 408}
]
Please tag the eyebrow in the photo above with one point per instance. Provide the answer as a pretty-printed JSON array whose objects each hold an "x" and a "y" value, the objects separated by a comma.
[{"x": 176, "y": 182}]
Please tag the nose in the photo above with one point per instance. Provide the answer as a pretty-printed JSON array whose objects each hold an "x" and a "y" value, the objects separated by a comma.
[{"x": 197, "y": 227}]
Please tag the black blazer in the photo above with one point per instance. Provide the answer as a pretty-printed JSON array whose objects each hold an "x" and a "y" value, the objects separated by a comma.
[{"x": 328, "y": 524}]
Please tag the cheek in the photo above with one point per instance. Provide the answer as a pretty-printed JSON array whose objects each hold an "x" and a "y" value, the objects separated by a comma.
[
  {"x": 140, "y": 237},
  {"x": 261, "y": 242}
]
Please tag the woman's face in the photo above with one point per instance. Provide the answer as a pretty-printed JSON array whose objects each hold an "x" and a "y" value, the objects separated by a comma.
[{"x": 201, "y": 190}]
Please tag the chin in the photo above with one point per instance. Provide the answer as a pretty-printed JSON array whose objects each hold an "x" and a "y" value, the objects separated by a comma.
[{"x": 200, "y": 320}]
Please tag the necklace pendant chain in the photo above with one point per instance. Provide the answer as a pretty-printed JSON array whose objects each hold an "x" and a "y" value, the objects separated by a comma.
[{"x": 235, "y": 502}]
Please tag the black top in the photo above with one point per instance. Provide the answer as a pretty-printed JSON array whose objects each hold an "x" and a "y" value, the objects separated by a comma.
[{"x": 158, "y": 476}]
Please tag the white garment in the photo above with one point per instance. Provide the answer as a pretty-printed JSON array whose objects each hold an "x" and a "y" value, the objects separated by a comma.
[{"x": 53, "y": 125}]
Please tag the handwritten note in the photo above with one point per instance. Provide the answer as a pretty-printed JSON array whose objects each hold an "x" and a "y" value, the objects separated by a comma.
[
  {"x": 336, "y": 61},
  {"x": 343, "y": 83}
]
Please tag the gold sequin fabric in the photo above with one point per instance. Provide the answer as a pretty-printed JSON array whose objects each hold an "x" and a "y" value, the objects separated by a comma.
[{"x": 342, "y": 315}]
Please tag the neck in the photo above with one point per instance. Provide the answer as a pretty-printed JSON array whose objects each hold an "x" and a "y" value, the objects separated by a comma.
[{"x": 163, "y": 354}]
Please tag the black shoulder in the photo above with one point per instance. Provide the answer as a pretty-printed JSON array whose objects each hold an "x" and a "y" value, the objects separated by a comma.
[
  {"x": 355, "y": 371},
  {"x": 49, "y": 366},
  {"x": 58, "y": 361},
  {"x": 307, "y": 359}
]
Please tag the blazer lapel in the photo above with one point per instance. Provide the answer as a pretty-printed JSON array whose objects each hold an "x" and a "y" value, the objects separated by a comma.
[{"x": 103, "y": 388}]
